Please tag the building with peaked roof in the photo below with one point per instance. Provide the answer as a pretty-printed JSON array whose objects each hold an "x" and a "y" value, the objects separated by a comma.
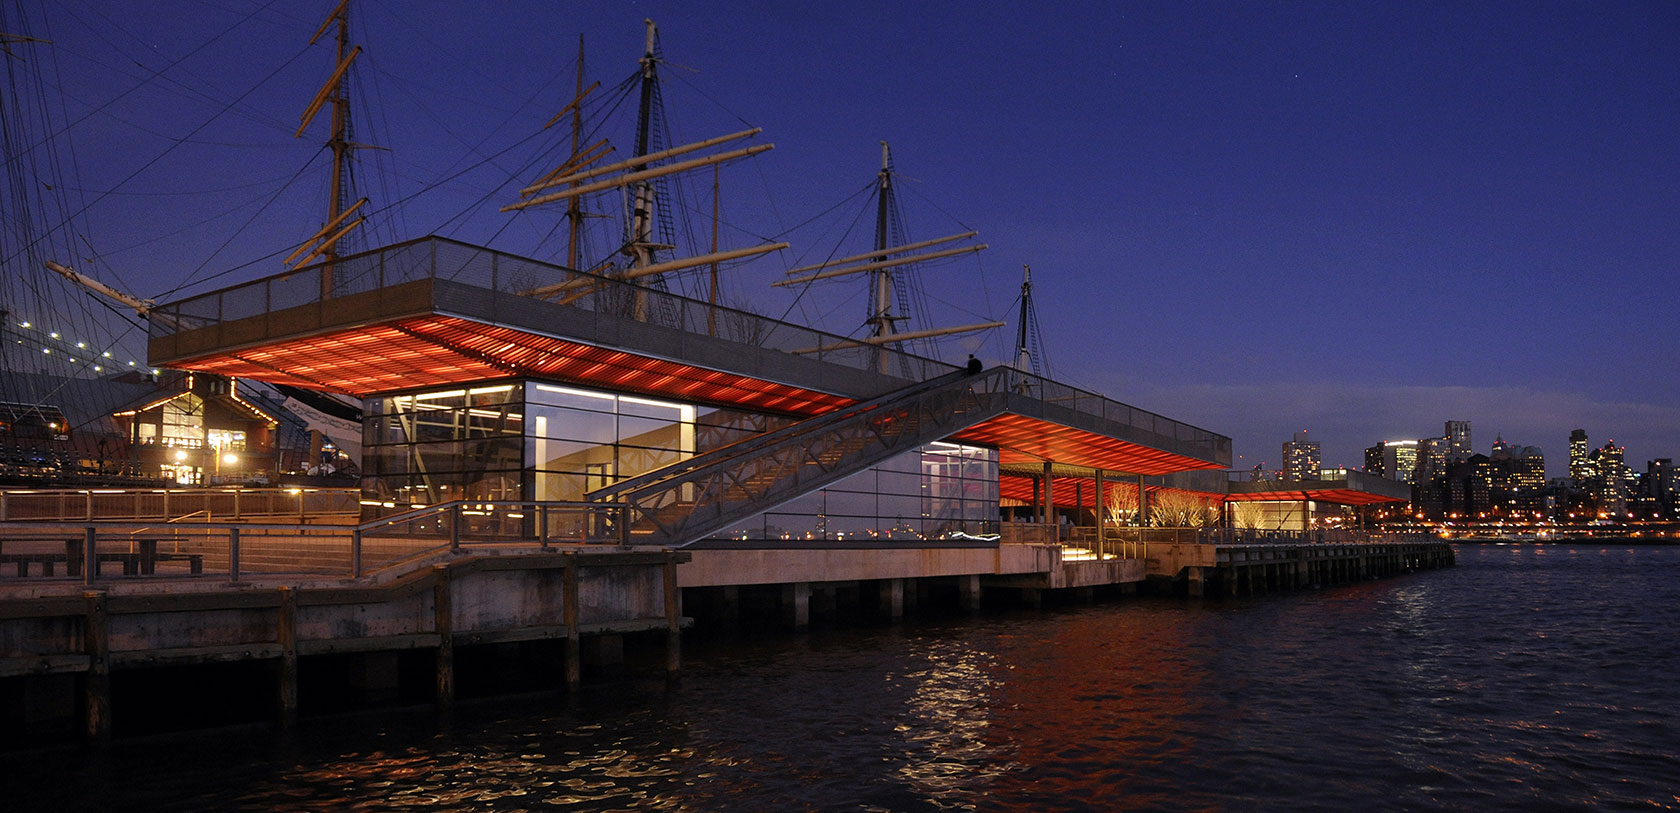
[
  {"x": 487, "y": 376},
  {"x": 196, "y": 430}
]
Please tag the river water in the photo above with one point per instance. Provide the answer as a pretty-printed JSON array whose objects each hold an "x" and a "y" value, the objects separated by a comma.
[{"x": 1541, "y": 677}]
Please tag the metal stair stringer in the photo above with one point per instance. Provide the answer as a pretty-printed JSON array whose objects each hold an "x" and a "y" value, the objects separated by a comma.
[{"x": 708, "y": 493}]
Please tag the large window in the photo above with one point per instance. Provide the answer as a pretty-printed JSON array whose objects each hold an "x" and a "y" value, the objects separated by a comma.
[
  {"x": 940, "y": 491},
  {"x": 457, "y": 444}
]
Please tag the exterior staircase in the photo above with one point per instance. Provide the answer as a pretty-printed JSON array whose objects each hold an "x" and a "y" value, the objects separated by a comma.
[{"x": 706, "y": 494}]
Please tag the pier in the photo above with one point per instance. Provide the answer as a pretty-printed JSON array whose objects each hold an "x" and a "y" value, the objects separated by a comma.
[{"x": 226, "y": 622}]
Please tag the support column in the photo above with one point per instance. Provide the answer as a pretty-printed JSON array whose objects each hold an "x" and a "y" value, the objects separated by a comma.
[
  {"x": 1032, "y": 597},
  {"x": 796, "y": 605},
  {"x": 443, "y": 622},
  {"x": 968, "y": 593},
  {"x": 729, "y": 605},
  {"x": 1101, "y": 503},
  {"x": 1143, "y": 503},
  {"x": 891, "y": 593},
  {"x": 574, "y": 635},
  {"x": 1049, "y": 508},
  {"x": 96, "y": 641},
  {"x": 1195, "y": 581},
  {"x": 285, "y": 628}
]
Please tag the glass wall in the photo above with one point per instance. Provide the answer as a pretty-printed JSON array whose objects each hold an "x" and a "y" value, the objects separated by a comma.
[
  {"x": 581, "y": 439},
  {"x": 432, "y": 447},
  {"x": 941, "y": 491},
  {"x": 534, "y": 440}
]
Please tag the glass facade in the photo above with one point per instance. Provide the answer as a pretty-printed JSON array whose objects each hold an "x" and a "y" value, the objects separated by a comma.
[
  {"x": 532, "y": 440},
  {"x": 940, "y": 491}
]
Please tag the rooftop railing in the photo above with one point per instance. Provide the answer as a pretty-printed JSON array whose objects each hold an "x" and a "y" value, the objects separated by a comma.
[{"x": 439, "y": 258}]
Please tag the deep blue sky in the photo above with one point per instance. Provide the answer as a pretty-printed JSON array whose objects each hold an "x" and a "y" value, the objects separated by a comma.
[{"x": 1357, "y": 219}]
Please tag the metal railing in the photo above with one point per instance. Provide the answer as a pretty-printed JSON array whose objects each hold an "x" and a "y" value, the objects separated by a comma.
[
  {"x": 718, "y": 489},
  {"x": 234, "y": 551},
  {"x": 174, "y": 504},
  {"x": 1086, "y": 543}
]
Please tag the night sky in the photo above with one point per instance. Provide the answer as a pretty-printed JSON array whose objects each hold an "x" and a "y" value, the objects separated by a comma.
[{"x": 1355, "y": 219}]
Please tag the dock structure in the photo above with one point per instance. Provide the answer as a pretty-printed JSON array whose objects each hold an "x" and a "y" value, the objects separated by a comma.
[{"x": 548, "y": 478}]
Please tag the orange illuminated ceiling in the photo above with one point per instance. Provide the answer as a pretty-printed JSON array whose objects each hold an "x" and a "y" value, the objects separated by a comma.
[
  {"x": 1021, "y": 439},
  {"x": 1334, "y": 496},
  {"x": 1068, "y": 492},
  {"x": 436, "y": 350}
]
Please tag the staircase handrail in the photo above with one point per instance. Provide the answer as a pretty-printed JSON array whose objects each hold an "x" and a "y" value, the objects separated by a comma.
[{"x": 766, "y": 439}]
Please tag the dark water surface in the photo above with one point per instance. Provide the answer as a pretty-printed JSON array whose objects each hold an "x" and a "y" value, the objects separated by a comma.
[{"x": 1539, "y": 677}]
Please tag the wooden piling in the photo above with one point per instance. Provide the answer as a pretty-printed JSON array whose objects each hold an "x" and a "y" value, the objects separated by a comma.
[
  {"x": 96, "y": 639},
  {"x": 574, "y": 634},
  {"x": 443, "y": 623},
  {"x": 285, "y": 626}
]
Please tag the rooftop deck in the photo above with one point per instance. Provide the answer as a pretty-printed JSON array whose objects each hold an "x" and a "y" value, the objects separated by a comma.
[{"x": 435, "y": 312}]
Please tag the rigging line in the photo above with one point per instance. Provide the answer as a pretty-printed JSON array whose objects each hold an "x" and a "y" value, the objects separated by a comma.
[
  {"x": 251, "y": 219},
  {"x": 207, "y": 43},
  {"x": 706, "y": 96},
  {"x": 929, "y": 201},
  {"x": 253, "y": 115},
  {"x": 177, "y": 194},
  {"x": 862, "y": 190},
  {"x": 160, "y": 156},
  {"x": 831, "y": 254}
]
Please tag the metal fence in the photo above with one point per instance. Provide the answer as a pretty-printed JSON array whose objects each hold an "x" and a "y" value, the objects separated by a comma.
[
  {"x": 238, "y": 550},
  {"x": 177, "y": 504},
  {"x": 1085, "y": 543}
]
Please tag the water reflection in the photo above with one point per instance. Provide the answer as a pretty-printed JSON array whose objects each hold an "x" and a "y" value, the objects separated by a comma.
[{"x": 1519, "y": 678}]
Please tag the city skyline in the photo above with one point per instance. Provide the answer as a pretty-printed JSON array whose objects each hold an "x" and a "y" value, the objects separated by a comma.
[{"x": 1358, "y": 221}]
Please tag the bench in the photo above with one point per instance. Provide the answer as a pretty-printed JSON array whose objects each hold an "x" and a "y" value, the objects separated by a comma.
[{"x": 140, "y": 563}]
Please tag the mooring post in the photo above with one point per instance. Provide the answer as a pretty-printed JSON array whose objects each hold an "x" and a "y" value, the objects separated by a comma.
[
  {"x": 233, "y": 554},
  {"x": 1194, "y": 580},
  {"x": 443, "y": 622},
  {"x": 673, "y": 617},
  {"x": 569, "y": 611},
  {"x": 892, "y": 598},
  {"x": 285, "y": 628},
  {"x": 96, "y": 635}
]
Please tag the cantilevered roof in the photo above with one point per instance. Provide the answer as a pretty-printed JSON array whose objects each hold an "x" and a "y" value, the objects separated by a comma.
[
  {"x": 434, "y": 312},
  {"x": 1349, "y": 488}
]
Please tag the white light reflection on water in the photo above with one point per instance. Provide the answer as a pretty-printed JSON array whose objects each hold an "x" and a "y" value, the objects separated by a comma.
[{"x": 947, "y": 753}]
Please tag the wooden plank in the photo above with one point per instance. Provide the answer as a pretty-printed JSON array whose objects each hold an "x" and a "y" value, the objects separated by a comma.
[
  {"x": 379, "y": 643},
  {"x": 186, "y": 656},
  {"x": 54, "y": 607},
  {"x": 43, "y": 665},
  {"x": 195, "y": 602}
]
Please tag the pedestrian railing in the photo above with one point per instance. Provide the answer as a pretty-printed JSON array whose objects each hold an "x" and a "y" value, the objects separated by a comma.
[{"x": 91, "y": 551}]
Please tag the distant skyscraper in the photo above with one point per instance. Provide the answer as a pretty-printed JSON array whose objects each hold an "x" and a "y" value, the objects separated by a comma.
[
  {"x": 1458, "y": 440},
  {"x": 1610, "y": 486},
  {"x": 1580, "y": 467},
  {"x": 1394, "y": 459},
  {"x": 1300, "y": 458}
]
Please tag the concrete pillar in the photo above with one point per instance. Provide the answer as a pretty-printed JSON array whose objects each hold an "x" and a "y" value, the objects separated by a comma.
[
  {"x": 796, "y": 605},
  {"x": 1084, "y": 595},
  {"x": 891, "y": 595},
  {"x": 1032, "y": 597},
  {"x": 728, "y": 606},
  {"x": 1143, "y": 503},
  {"x": 1194, "y": 580},
  {"x": 825, "y": 603},
  {"x": 1228, "y": 579},
  {"x": 968, "y": 593},
  {"x": 912, "y": 596}
]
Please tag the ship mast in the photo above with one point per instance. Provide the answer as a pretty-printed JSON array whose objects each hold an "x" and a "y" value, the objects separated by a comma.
[
  {"x": 578, "y": 177},
  {"x": 883, "y": 331}
]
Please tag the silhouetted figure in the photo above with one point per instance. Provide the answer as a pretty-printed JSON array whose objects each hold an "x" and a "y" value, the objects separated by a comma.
[{"x": 974, "y": 365}]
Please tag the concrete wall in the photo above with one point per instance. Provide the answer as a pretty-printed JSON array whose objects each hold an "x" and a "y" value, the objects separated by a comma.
[{"x": 721, "y": 568}]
